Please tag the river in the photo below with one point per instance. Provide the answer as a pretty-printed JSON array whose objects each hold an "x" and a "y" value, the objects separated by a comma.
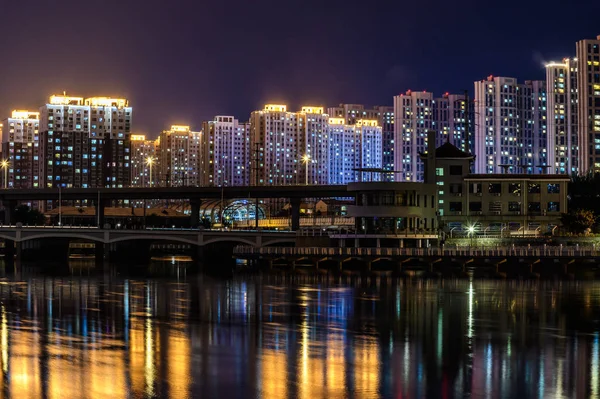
[{"x": 276, "y": 336}]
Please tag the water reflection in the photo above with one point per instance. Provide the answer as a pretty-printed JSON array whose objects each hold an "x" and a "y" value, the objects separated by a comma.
[{"x": 275, "y": 337}]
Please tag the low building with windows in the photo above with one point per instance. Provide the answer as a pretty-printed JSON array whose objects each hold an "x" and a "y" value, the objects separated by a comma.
[
  {"x": 512, "y": 203},
  {"x": 390, "y": 208},
  {"x": 452, "y": 199},
  {"x": 524, "y": 203}
]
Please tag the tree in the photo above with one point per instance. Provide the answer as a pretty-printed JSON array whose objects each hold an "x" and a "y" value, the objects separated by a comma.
[
  {"x": 28, "y": 216},
  {"x": 584, "y": 192},
  {"x": 578, "y": 221}
]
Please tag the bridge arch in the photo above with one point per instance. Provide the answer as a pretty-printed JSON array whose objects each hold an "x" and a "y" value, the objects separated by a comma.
[
  {"x": 153, "y": 238},
  {"x": 279, "y": 241},
  {"x": 48, "y": 235},
  {"x": 7, "y": 237},
  {"x": 229, "y": 239}
]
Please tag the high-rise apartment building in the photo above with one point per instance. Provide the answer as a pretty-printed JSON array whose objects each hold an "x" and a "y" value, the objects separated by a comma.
[
  {"x": 588, "y": 101},
  {"x": 143, "y": 158},
  {"x": 354, "y": 149},
  {"x": 225, "y": 152},
  {"x": 450, "y": 120},
  {"x": 384, "y": 115},
  {"x": 416, "y": 113},
  {"x": 414, "y": 118},
  {"x": 510, "y": 126},
  {"x": 313, "y": 134},
  {"x": 562, "y": 110},
  {"x": 20, "y": 150},
  {"x": 283, "y": 144},
  {"x": 536, "y": 155},
  {"x": 574, "y": 110},
  {"x": 85, "y": 142},
  {"x": 178, "y": 154}
]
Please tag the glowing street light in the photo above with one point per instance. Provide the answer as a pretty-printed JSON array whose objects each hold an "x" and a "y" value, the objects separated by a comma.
[
  {"x": 471, "y": 232},
  {"x": 4, "y": 165},
  {"x": 149, "y": 162},
  {"x": 306, "y": 160}
]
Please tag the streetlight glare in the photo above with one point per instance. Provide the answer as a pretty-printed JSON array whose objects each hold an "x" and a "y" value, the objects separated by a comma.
[
  {"x": 5, "y": 167},
  {"x": 471, "y": 229},
  {"x": 306, "y": 158},
  {"x": 150, "y": 162}
]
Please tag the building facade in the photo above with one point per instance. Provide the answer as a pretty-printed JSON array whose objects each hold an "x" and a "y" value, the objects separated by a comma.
[
  {"x": 452, "y": 116},
  {"x": 574, "y": 110},
  {"x": 85, "y": 142},
  {"x": 510, "y": 126},
  {"x": 20, "y": 150},
  {"x": 225, "y": 152},
  {"x": 353, "y": 150},
  {"x": 529, "y": 204},
  {"x": 414, "y": 118},
  {"x": 289, "y": 147},
  {"x": 178, "y": 155},
  {"x": 384, "y": 115},
  {"x": 143, "y": 157},
  {"x": 388, "y": 209},
  {"x": 562, "y": 110},
  {"x": 588, "y": 104}
]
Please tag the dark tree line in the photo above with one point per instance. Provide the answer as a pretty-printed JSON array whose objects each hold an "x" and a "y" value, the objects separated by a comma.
[{"x": 584, "y": 204}]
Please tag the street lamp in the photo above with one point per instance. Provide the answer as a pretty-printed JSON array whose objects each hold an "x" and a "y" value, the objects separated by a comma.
[
  {"x": 306, "y": 160},
  {"x": 149, "y": 162},
  {"x": 4, "y": 165},
  {"x": 471, "y": 231}
]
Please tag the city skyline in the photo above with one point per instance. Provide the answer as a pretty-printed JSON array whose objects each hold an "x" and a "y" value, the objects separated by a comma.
[
  {"x": 78, "y": 141},
  {"x": 164, "y": 60}
]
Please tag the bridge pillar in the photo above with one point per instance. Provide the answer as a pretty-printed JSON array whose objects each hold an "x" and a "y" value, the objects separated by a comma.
[
  {"x": 295, "y": 213},
  {"x": 100, "y": 211},
  {"x": 10, "y": 209},
  {"x": 195, "y": 212},
  {"x": 9, "y": 250},
  {"x": 18, "y": 251}
]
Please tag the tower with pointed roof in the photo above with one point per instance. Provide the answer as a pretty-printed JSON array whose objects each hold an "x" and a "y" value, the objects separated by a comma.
[{"x": 446, "y": 166}]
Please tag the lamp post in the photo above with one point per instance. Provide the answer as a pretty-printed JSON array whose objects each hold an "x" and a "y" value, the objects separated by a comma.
[
  {"x": 149, "y": 162},
  {"x": 5, "y": 167},
  {"x": 306, "y": 160},
  {"x": 471, "y": 232}
]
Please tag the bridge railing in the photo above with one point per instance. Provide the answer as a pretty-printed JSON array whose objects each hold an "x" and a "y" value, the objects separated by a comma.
[{"x": 432, "y": 251}]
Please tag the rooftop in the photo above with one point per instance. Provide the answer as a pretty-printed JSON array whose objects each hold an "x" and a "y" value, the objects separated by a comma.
[
  {"x": 449, "y": 150},
  {"x": 517, "y": 176}
]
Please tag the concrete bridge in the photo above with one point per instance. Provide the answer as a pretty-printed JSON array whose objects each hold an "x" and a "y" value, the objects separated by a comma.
[
  {"x": 106, "y": 241},
  {"x": 531, "y": 259},
  {"x": 200, "y": 238}
]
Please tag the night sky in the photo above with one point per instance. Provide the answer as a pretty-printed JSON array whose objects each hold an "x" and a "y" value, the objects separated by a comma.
[{"x": 182, "y": 62}]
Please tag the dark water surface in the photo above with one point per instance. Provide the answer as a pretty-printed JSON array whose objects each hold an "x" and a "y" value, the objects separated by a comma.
[{"x": 276, "y": 337}]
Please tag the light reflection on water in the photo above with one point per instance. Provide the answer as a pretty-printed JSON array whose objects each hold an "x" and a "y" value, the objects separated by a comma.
[{"x": 275, "y": 337}]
